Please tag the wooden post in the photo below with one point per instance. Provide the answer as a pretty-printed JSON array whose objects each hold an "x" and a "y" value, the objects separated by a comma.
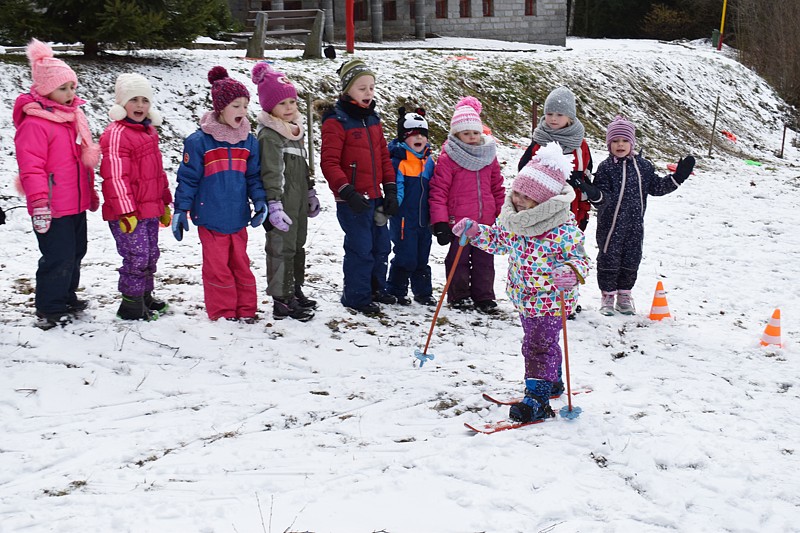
[
  {"x": 713, "y": 127},
  {"x": 255, "y": 44},
  {"x": 349, "y": 27},
  {"x": 313, "y": 48},
  {"x": 310, "y": 133},
  {"x": 534, "y": 116},
  {"x": 783, "y": 141}
]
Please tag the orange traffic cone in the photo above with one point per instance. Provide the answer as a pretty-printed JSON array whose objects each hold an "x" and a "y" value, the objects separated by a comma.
[
  {"x": 660, "y": 309},
  {"x": 772, "y": 333}
]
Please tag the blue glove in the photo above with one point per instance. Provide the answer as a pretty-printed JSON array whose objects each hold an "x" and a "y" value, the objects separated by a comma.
[
  {"x": 261, "y": 213},
  {"x": 179, "y": 224}
]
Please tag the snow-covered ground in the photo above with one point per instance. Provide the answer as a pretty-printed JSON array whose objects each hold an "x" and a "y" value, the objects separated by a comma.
[{"x": 187, "y": 425}]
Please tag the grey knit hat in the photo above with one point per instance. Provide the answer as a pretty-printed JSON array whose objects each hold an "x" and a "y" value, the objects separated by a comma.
[{"x": 560, "y": 100}]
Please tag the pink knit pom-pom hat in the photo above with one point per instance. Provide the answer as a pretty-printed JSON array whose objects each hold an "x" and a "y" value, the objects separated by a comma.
[
  {"x": 48, "y": 73},
  {"x": 545, "y": 174},
  {"x": 467, "y": 116}
]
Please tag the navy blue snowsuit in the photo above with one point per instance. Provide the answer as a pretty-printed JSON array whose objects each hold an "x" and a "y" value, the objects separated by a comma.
[{"x": 625, "y": 183}]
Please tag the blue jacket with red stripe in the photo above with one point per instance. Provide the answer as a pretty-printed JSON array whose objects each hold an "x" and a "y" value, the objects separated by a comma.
[{"x": 215, "y": 180}]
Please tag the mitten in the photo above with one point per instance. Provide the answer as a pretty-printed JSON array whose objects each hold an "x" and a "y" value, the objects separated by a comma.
[
  {"x": 260, "y": 214},
  {"x": 357, "y": 203},
  {"x": 313, "y": 203},
  {"x": 593, "y": 194},
  {"x": 166, "y": 216},
  {"x": 390, "y": 204},
  {"x": 94, "y": 204},
  {"x": 41, "y": 217},
  {"x": 467, "y": 227},
  {"x": 575, "y": 178},
  {"x": 443, "y": 233},
  {"x": 127, "y": 223},
  {"x": 684, "y": 168},
  {"x": 564, "y": 277},
  {"x": 277, "y": 217},
  {"x": 180, "y": 223}
]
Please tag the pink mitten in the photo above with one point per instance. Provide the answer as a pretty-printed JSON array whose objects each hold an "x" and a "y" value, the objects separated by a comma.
[
  {"x": 41, "y": 216},
  {"x": 461, "y": 228},
  {"x": 564, "y": 277}
]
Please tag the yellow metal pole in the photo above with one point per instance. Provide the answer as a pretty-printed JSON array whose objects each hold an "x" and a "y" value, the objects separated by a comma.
[{"x": 722, "y": 24}]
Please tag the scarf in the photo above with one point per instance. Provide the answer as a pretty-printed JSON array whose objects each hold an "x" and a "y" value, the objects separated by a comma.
[
  {"x": 355, "y": 110},
  {"x": 35, "y": 105},
  {"x": 469, "y": 156},
  {"x": 540, "y": 219},
  {"x": 291, "y": 130},
  {"x": 223, "y": 132},
  {"x": 569, "y": 137}
]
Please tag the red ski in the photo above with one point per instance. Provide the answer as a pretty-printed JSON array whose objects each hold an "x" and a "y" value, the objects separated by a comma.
[
  {"x": 512, "y": 401},
  {"x": 502, "y": 425}
]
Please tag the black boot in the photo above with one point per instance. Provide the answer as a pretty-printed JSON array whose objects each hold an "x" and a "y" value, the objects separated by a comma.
[
  {"x": 282, "y": 308},
  {"x": 536, "y": 404},
  {"x": 156, "y": 306},
  {"x": 133, "y": 308},
  {"x": 304, "y": 301}
]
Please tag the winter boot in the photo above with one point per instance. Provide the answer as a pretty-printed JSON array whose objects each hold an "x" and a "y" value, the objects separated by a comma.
[
  {"x": 487, "y": 307},
  {"x": 625, "y": 303},
  {"x": 558, "y": 386},
  {"x": 607, "y": 303},
  {"x": 133, "y": 308},
  {"x": 302, "y": 299},
  {"x": 384, "y": 298},
  {"x": 156, "y": 306},
  {"x": 290, "y": 307},
  {"x": 77, "y": 306},
  {"x": 535, "y": 405},
  {"x": 426, "y": 300},
  {"x": 45, "y": 321}
]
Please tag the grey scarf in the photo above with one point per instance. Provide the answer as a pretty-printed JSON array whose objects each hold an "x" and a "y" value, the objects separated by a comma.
[
  {"x": 569, "y": 137},
  {"x": 471, "y": 157},
  {"x": 539, "y": 219}
]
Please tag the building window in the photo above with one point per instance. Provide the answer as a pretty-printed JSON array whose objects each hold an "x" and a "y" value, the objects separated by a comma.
[
  {"x": 488, "y": 8},
  {"x": 360, "y": 10},
  {"x": 389, "y": 10},
  {"x": 530, "y": 7},
  {"x": 441, "y": 9},
  {"x": 464, "y": 9}
]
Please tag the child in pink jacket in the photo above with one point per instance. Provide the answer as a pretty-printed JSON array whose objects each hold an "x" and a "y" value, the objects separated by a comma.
[
  {"x": 467, "y": 184},
  {"x": 56, "y": 157}
]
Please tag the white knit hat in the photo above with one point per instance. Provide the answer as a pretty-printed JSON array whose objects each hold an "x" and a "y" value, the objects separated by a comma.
[
  {"x": 467, "y": 116},
  {"x": 130, "y": 86},
  {"x": 545, "y": 174}
]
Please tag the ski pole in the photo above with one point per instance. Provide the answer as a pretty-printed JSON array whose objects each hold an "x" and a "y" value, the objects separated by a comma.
[
  {"x": 567, "y": 411},
  {"x": 462, "y": 242}
]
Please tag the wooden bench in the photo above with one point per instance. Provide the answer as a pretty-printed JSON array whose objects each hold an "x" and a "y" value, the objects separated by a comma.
[{"x": 283, "y": 23}]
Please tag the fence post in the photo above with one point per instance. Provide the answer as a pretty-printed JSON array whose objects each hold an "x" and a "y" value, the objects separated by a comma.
[
  {"x": 255, "y": 45},
  {"x": 713, "y": 127},
  {"x": 783, "y": 141}
]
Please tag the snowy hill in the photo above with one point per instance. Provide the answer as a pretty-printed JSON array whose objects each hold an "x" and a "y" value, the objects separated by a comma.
[{"x": 187, "y": 425}]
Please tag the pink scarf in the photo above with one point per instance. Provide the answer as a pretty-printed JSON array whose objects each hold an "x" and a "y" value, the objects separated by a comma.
[
  {"x": 222, "y": 132},
  {"x": 42, "y": 107}
]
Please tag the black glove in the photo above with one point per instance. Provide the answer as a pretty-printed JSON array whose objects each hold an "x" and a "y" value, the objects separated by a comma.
[
  {"x": 593, "y": 194},
  {"x": 390, "y": 204},
  {"x": 684, "y": 168},
  {"x": 575, "y": 178},
  {"x": 357, "y": 202},
  {"x": 443, "y": 233}
]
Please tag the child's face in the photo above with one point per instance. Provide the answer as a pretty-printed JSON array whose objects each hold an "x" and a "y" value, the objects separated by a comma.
[
  {"x": 234, "y": 113},
  {"x": 64, "y": 94},
  {"x": 469, "y": 137},
  {"x": 522, "y": 202},
  {"x": 416, "y": 142},
  {"x": 285, "y": 109},
  {"x": 556, "y": 121},
  {"x": 363, "y": 90},
  {"x": 620, "y": 147},
  {"x": 137, "y": 108}
]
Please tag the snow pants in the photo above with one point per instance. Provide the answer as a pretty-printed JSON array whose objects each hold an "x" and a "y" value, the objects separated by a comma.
[
  {"x": 412, "y": 250},
  {"x": 474, "y": 275},
  {"x": 229, "y": 286},
  {"x": 140, "y": 253},
  {"x": 540, "y": 347},
  {"x": 63, "y": 248}
]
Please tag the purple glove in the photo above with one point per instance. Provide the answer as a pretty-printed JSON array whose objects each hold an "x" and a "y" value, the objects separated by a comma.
[
  {"x": 41, "y": 216},
  {"x": 313, "y": 203},
  {"x": 277, "y": 217},
  {"x": 564, "y": 277},
  {"x": 471, "y": 232}
]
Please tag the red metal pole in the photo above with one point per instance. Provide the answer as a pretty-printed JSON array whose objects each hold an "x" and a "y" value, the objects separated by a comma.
[
  {"x": 566, "y": 347},
  {"x": 350, "y": 27}
]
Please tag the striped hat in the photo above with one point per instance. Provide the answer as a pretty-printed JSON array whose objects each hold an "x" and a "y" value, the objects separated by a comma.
[
  {"x": 621, "y": 128},
  {"x": 467, "y": 116},
  {"x": 351, "y": 71},
  {"x": 545, "y": 174}
]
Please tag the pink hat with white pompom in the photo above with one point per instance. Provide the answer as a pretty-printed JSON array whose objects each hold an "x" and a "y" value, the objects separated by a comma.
[
  {"x": 467, "y": 116},
  {"x": 545, "y": 174}
]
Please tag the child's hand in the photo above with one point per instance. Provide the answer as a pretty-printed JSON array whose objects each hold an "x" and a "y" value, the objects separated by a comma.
[
  {"x": 166, "y": 216},
  {"x": 41, "y": 216},
  {"x": 260, "y": 213},
  {"x": 467, "y": 227},
  {"x": 443, "y": 233},
  {"x": 357, "y": 203},
  {"x": 390, "y": 204},
  {"x": 313, "y": 203},
  {"x": 563, "y": 277},
  {"x": 179, "y": 224},
  {"x": 277, "y": 217},
  {"x": 684, "y": 168},
  {"x": 94, "y": 204},
  {"x": 128, "y": 223}
]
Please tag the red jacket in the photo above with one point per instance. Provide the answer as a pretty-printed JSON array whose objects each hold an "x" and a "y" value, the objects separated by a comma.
[
  {"x": 354, "y": 152},
  {"x": 133, "y": 174}
]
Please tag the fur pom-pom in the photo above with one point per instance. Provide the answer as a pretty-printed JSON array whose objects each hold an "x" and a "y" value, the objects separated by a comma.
[
  {"x": 472, "y": 102},
  {"x": 155, "y": 117},
  {"x": 37, "y": 51},
  {"x": 551, "y": 155},
  {"x": 117, "y": 112},
  {"x": 261, "y": 69},
  {"x": 217, "y": 73}
]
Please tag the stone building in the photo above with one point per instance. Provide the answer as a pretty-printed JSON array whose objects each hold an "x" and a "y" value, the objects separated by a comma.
[{"x": 532, "y": 21}]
